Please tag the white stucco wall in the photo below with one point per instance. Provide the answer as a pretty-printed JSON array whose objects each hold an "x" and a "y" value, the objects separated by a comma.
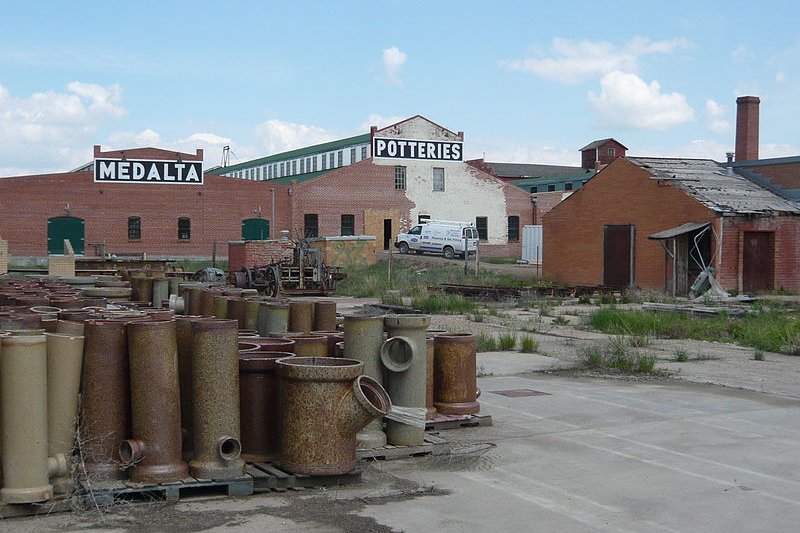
[{"x": 468, "y": 193}]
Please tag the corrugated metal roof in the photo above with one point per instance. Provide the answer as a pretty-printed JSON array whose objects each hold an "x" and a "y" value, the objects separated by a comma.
[
  {"x": 711, "y": 184},
  {"x": 527, "y": 170},
  {"x": 688, "y": 227}
]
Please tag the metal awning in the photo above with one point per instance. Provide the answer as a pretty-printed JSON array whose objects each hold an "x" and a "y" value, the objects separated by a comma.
[{"x": 671, "y": 233}]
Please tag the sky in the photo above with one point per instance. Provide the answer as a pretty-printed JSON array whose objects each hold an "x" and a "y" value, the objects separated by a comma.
[{"x": 526, "y": 82}]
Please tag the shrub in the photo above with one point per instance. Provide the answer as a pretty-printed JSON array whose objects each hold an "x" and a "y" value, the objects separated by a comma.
[
  {"x": 758, "y": 355},
  {"x": 486, "y": 342},
  {"x": 584, "y": 299},
  {"x": 681, "y": 356},
  {"x": 645, "y": 364}
]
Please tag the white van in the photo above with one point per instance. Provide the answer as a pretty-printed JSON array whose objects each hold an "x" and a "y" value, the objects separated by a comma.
[{"x": 440, "y": 237}]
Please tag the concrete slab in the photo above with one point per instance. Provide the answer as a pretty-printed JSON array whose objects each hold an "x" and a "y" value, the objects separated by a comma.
[{"x": 586, "y": 455}]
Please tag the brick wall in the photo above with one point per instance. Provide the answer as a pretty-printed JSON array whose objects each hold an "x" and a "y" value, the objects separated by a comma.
[
  {"x": 257, "y": 253},
  {"x": 787, "y": 250},
  {"x": 573, "y": 230},
  {"x": 216, "y": 210}
]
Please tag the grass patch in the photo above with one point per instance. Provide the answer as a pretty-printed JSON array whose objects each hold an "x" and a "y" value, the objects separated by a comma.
[
  {"x": 639, "y": 341},
  {"x": 507, "y": 341},
  {"x": 758, "y": 355},
  {"x": 681, "y": 356},
  {"x": 560, "y": 321},
  {"x": 766, "y": 330},
  {"x": 616, "y": 355},
  {"x": 485, "y": 342},
  {"x": 437, "y": 304},
  {"x": 528, "y": 344},
  {"x": 584, "y": 299},
  {"x": 500, "y": 260}
]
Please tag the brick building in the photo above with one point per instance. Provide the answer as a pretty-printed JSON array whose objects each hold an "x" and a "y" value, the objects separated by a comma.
[
  {"x": 646, "y": 237},
  {"x": 145, "y": 201}
]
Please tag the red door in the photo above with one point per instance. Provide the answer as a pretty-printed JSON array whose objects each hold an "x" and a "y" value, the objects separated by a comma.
[
  {"x": 758, "y": 261},
  {"x": 618, "y": 256}
]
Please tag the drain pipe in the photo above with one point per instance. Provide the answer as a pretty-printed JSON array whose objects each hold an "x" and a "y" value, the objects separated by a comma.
[
  {"x": 23, "y": 384},
  {"x": 64, "y": 362},
  {"x": 404, "y": 356},
  {"x": 363, "y": 336}
]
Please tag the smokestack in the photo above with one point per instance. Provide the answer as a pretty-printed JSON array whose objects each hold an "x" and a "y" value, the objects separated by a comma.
[{"x": 747, "y": 128}]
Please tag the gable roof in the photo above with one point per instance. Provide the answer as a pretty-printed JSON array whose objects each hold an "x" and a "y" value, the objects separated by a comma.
[
  {"x": 599, "y": 143},
  {"x": 714, "y": 186}
]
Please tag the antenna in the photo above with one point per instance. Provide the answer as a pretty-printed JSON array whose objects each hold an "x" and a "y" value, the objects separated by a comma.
[{"x": 226, "y": 155}]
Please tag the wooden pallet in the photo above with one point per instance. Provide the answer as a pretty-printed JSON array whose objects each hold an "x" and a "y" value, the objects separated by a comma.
[
  {"x": 107, "y": 493},
  {"x": 268, "y": 477},
  {"x": 61, "y": 504},
  {"x": 457, "y": 421},
  {"x": 434, "y": 445}
]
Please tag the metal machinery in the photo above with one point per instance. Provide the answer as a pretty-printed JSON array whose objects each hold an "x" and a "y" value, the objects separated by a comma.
[{"x": 305, "y": 273}]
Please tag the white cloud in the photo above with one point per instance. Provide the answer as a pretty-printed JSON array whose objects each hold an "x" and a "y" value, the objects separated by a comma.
[
  {"x": 716, "y": 117},
  {"x": 515, "y": 152},
  {"x": 54, "y": 128},
  {"x": 780, "y": 76},
  {"x": 571, "y": 61},
  {"x": 380, "y": 121},
  {"x": 393, "y": 60},
  {"x": 278, "y": 136},
  {"x": 626, "y": 101},
  {"x": 768, "y": 150}
]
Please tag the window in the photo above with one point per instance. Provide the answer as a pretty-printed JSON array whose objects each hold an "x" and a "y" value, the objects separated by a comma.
[
  {"x": 534, "y": 188},
  {"x": 482, "y": 225},
  {"x": 339, "y": 158},
  {"x": 348, "y": 225},
  {"x": 134, "y": 228},
  {"x": 610, "y": 151},
  {"x": 352, "y": 155},
  {"x": 513, "y": 228},
  {"x": 314, "y": 162},
  {"x": 294, "y": 167},
  {"x": 302, "y": 166},
  {"x": 332, "y": 163},
  {"x": 311, "y": 225},
  {"x": 438, "y": 179},
  {"x": 568, "y": 186},
  {"x": 400, "y": 178},
  {"x": 282, "y": 170},
  {"x": 258, "y": 173},
  {"x": 270, "y": 172},
  {"x": 184, "y": 228},
  {"x": 416, "y": 230},
  {"x": 308, "y": 164},
  {"x": 423, "y": 218},
  {"x": 324, "y": 162},
  {"x": 551, "y": 188},
  {"x": 363, "y": 152}
]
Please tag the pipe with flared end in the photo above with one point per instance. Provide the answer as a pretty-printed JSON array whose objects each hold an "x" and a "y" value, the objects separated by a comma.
[
  {"x": 455, "y": 376},
  {"x": 404, "y": 356},
  {"x": 215, "y": 399},
  {"x": 273, "y": 317},
  {"x": 64, "y": 362},
  {"x": 23, "y": 404},
  {"x": 105, "y": 398},
  {"x": 155, "y": 401},
  {"x": 323, "y": 405}
]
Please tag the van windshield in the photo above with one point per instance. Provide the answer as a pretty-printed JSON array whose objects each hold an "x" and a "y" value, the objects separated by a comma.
[{"x": 416, "y": 230}]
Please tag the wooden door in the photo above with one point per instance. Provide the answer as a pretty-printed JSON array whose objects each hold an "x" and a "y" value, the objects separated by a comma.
[
  {"x": 618, "y": 256},
  {"x": 758, "y": 261}
]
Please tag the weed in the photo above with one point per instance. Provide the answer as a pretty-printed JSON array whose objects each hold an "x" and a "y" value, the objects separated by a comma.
[
  {"x": 486, "y": 342},
  {"x": 607, "y": 298},
  {"x": 477, "y": 317},
  {"x": 507, "y": 341},
  {"x": 560, "y": 321},
  {"x": 645, "y": 364},
  {"x": 639, "y": 341},
  {"x": 618, "y": 347},
  {"x": 592, "y": 356},
  {"x": 681, "y": 355},
  {"x": 391, "y": 298},
  {"x": 584, "y": 299},
  {"x": 443, "y": 304},
  {"x": 528, "y": 344},
  {"x": 758, "y": 355}
]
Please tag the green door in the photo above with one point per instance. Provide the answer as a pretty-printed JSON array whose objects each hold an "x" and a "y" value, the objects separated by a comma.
[
  {"x": 60, "y": 228},
  {"x": 255, "y": 229}
]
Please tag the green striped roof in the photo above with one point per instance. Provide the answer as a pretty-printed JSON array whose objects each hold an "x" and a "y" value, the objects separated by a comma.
[{"x": 296, "y": 154}]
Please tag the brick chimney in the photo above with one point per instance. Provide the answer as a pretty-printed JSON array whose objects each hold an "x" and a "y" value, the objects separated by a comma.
[{"x": 747, "y": 128}]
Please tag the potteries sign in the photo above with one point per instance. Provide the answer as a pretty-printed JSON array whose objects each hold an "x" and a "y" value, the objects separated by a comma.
[
  {"x": 413, "y": 149},
  {"x": 144, "y": 171}
]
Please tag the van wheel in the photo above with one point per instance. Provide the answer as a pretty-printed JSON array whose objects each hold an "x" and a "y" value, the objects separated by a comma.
[
  {"x": 448, "y": 252},
  {"x": 403, "y": 247}
]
